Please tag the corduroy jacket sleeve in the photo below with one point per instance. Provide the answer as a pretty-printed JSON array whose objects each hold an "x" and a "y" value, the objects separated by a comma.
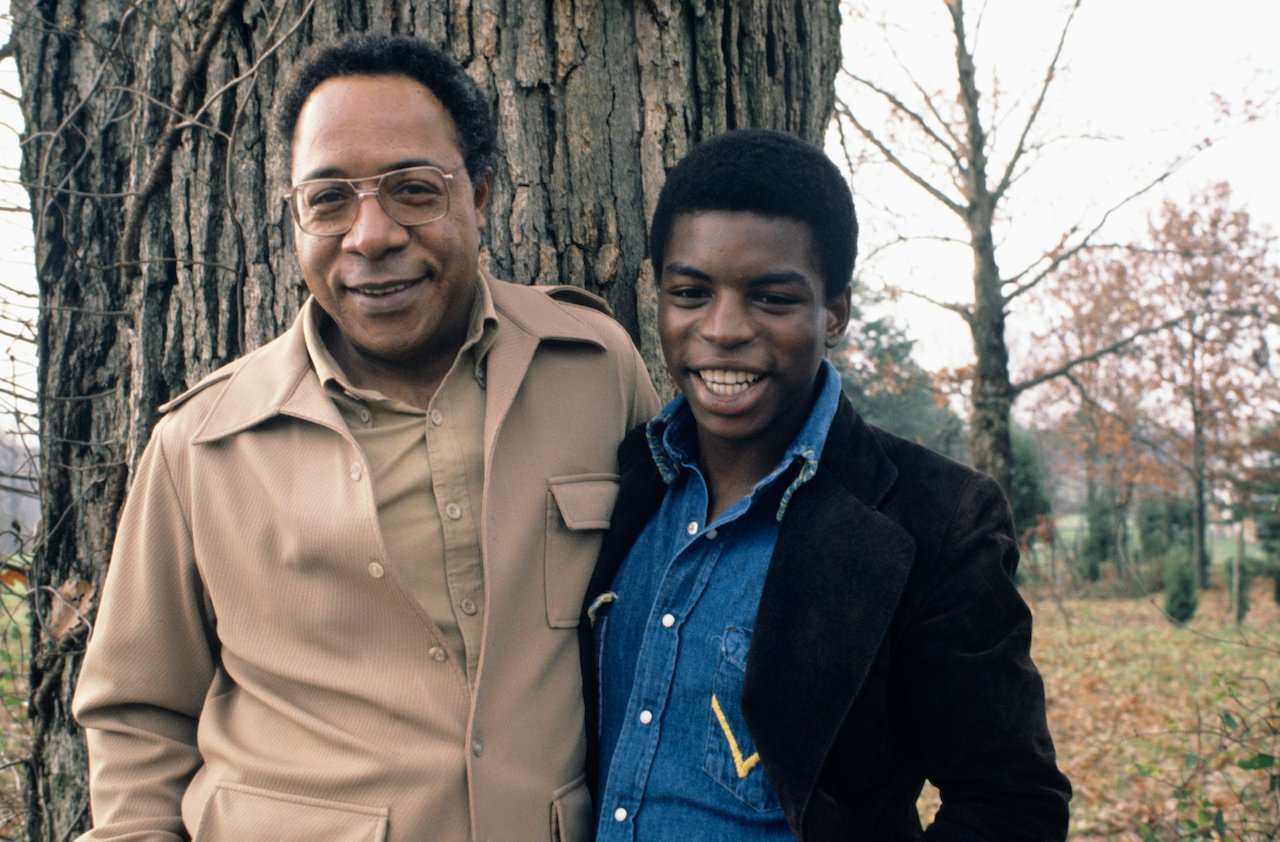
[{"x": 978, "y": 701}]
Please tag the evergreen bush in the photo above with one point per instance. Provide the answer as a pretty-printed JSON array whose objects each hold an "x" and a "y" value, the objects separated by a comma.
[{"x": 1180, "y": 597}]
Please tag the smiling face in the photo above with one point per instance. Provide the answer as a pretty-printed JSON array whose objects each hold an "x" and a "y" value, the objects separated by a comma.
[
  {"x": 401, "y": 297},
  {"x": 744, "y": 326}
]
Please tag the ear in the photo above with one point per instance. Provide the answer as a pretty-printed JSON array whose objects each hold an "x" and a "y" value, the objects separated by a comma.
[
  {"x": 480, "y": 197},
  {"x": 839, "y": 306}
]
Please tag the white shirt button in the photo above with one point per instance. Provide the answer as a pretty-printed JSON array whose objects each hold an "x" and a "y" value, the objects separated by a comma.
[
  {"x": 453, "y": 510},
  {"x": 711, "y": 534},
  {"x": 437, "y": 654},
  {"x": 620, "y": 814},
  {"x": 646, "y": 716},
  {"x": 692, "y": 528},
  {"x": 468, "y": 607},
  {"x": 376, "y": 570},
  {"x": 668, "y": 620},
  {"x": 356, "y": 471},
  {"x": 477, "y": 747},
  {"x": 437, "y": 417}
]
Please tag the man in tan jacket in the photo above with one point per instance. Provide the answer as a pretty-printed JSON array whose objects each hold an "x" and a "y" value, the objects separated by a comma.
[{"x": 343, "y": 599}]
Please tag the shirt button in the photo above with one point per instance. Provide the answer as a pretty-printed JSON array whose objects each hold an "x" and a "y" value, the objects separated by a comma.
[
  {"x": 376, "y": 570},
  {"x": 646, "y": 716},
  {"x": 365, "y": 415},
  {"x": 453, "y": 510},
  {"x": 477, "y": 747},
  {"x": 467, "y": 606},
  {"x": 711, "y": 534},
  {"x": 356, "y": 471},
  {"x": 437, "y": 654},
  {"x": 620, "y": 814},
  {"x": 692, "y": 528},
  {"x": 437, "y": 417},
  {"x": 668, "y": 620}
]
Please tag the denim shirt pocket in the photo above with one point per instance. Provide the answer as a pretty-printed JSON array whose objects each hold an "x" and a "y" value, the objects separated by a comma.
[{"x": 731, "y": 759}]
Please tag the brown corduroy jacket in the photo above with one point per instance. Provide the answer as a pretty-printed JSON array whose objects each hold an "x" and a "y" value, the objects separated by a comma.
[{"x": 258, "y": 671}]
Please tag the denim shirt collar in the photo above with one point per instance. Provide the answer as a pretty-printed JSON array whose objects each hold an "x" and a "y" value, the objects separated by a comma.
[{"x": 672, "y": 438}]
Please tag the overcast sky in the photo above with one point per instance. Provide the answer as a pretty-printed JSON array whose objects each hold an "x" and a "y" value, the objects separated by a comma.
[{"x": 1138, "y": 75}]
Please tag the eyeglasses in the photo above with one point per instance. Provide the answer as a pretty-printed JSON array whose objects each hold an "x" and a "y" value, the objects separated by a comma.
[{"x": 327, "y": 207}]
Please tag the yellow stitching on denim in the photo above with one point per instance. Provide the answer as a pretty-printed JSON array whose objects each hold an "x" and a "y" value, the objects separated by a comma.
[{"x": 742, "y": 766}]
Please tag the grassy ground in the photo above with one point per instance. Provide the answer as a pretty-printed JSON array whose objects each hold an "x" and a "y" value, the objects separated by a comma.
[
  {"x": 15, "y": 732},
  {"x": 1152, "y": 720}
]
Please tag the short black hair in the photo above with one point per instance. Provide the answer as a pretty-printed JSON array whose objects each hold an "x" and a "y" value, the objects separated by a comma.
[
  {"x": 770, "y": 173},
  {"x": 363, "y": 54}
]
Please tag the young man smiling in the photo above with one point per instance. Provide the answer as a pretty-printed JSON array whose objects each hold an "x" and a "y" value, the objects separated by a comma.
[{"x": 798, "y": 618}]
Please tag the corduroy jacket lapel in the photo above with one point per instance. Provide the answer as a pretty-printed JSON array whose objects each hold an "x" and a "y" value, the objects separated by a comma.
[{"x": 834, "y": 583}]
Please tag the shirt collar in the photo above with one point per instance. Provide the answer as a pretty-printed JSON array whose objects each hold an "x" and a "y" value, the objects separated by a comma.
[
  {"x": 673, "y": 444},
  {"x": 481, "y": 332}
]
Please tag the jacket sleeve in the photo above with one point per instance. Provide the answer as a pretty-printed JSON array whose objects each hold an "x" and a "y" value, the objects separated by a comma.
[
  {"x": 978, "y": 698},
  {"x": 644, "y": 402},
  {"x": 149, "y": 664}
]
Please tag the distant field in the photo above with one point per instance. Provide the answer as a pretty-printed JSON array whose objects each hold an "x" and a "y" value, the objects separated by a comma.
[{"x": 1151, "y": 720}]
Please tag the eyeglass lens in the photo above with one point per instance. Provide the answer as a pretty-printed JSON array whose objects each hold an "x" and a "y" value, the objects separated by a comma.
[{"x": 412, "y": 196}]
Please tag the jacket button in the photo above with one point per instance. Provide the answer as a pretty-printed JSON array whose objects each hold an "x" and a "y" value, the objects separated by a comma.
[
  {"x": 477, "y": 747},
  {"x": 437, "y": 417},
  {"x": 376, "y": 570},
  {"x": 468, "y": 607},
  {"x": 356, "y": 471},
  {"x": 453, "y": 510},
  {"x": 437, "y": 654},
  {"x": 620, "y": 814},
  {"x": 668, "y": 620}
]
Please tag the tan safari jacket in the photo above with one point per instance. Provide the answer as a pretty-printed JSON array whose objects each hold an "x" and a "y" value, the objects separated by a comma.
[{"x": 257, "y": 670}]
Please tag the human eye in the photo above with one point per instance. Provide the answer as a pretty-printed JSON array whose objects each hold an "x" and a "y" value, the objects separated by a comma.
[
  {"x": 421, "y": 187},
  {"x": 686, "y": 295},
  {"x": 776, "y": 299},
  {"x": 325, "y": 197}
]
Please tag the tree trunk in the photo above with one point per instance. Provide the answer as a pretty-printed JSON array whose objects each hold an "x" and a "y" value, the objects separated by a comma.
[{"x": 163, "y": 251}]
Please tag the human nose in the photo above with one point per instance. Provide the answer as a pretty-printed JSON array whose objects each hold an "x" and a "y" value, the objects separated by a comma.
[
  {"x": 725, "y": 322},
  {"x": 373, "y": 232}
]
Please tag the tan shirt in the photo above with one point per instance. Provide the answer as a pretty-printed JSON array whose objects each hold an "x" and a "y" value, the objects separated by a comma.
[{"x": 427, "y": 472}]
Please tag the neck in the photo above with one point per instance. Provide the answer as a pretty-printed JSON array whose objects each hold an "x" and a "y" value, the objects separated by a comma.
[
  {"x": 413, "y": 381},
  {"x": 731, "y": 472}
]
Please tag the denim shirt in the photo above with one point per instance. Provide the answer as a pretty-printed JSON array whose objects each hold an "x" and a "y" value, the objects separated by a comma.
[{"x": 671, "y": 646}]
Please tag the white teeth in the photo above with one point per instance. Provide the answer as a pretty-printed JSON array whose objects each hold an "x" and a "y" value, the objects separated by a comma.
[
  {"x": 378, "y": 291},
  {"x": 725, "y": 383}
]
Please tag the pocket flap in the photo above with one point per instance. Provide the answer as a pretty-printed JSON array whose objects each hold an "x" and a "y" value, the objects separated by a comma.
[
  {"x": 237, "y": 811},
  {"x": 585, "y": 502}
]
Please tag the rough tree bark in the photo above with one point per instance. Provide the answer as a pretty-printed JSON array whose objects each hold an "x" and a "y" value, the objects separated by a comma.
[{"x": 163, "y": 249}]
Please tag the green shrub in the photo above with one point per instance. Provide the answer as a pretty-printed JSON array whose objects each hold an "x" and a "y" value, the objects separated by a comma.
[{"x": 1180, "y": 598}]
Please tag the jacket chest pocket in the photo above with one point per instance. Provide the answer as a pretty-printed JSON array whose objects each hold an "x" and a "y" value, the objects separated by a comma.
[
  {"x": 731, "y": 759},
  {"x": 578, "y": 512}
]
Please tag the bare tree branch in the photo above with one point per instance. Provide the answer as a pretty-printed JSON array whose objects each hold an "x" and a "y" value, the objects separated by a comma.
[
  {"x": 130, "y": 240},
  {"x": 1022, "y": 287},
  {"x": 1049, "y": 74},
  {"x": 843, "y": 109},
  {"x": 962, "y": 310},
  {"x": 1096, "y": 354}
]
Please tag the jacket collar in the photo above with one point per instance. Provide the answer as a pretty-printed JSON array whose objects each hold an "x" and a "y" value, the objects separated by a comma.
[{"x": 278, "y": 378}]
